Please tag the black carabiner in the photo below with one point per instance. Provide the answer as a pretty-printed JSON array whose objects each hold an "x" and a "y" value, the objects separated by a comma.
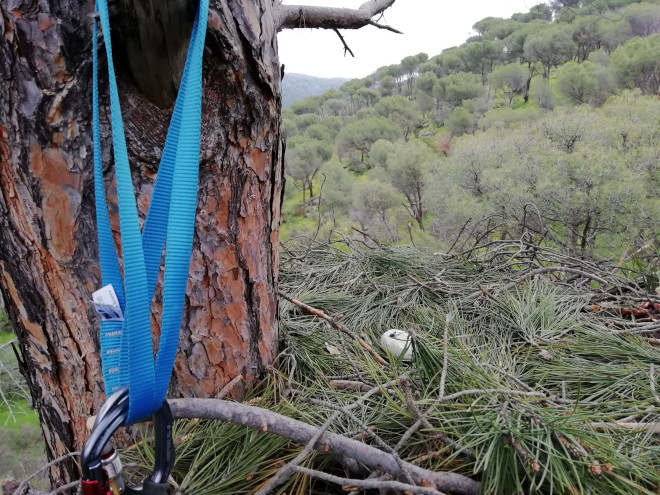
[{"x": 97, "y": 480}]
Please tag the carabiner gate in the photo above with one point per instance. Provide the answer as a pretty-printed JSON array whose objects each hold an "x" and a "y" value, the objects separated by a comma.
[{"x": 100, "y": 463}]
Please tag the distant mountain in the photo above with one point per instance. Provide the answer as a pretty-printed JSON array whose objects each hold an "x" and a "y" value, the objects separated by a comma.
[{"x": 298, "y": 86}]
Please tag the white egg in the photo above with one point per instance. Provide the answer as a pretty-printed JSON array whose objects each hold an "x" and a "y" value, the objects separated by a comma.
[{"x": 396, "y": 341}]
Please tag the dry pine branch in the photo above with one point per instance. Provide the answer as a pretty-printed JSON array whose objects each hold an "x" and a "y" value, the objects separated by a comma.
[
  {"x": 336, "y": 445},
  {"x": 307, "y": 16}
]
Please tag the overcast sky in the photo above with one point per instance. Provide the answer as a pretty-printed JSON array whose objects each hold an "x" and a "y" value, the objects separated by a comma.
[{"x": 428, "y": 25}]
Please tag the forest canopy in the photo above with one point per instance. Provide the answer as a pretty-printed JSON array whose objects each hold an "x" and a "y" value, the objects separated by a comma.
[{"x": 545, "y": 123}]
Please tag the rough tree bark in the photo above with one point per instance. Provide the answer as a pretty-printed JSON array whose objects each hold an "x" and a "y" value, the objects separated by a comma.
[{"x": 48, "y": 251}]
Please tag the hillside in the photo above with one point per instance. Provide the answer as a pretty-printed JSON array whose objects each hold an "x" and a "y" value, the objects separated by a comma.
[
  {"x": 541, "y": 125},
  {"x": 298, "y": 86}
]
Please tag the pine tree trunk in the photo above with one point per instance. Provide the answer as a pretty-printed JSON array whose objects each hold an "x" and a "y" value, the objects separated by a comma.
[{"x": 48, "y": 251}]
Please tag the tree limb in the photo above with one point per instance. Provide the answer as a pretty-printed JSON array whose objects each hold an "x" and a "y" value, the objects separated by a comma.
[
  {"x": 335, "y": 324},
  {"x": 331, "y": 443},
  {"x": 307, "y": 16},
  {"x": 347, "y": 49},
  {"x": 283, "y": 474},
  {"x": 369, "y": 431},
  {"x": 372, "y": 483},
  {"x": 652, "y": 428}
]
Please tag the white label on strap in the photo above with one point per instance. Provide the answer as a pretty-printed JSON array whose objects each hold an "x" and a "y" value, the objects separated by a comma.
[{"x": 107, "y": 305}]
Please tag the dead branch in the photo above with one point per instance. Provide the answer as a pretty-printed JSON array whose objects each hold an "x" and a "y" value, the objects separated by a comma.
[
  {"x": 445, "y": 353},
  {"x": 422, "y": 419},
  {"x": 24, "y": 488},
  {"x": 7, "y": 344},
  {"x": 350, "y": 385},
  {"x": 372, "y": 476},
  {"x": 631, "y": 328},
  {"x": 307, "y": 16},
  {"x": 460, "y": 233},
  {"x": 551, "y": 269},
  {"x": 336, "y": 445},
  {"x": 652, "y": 384},
  {"x": 367, "y": 484},
  {"x": 283, "y": 474},
  {"x": 653, "y": 428},
  {"x": 65, "y": 488},
  {"x": 335, "y": 324},
  {"x": 369, "y": 431},
  {"x": 347, "y": 49},
  {"x": 228, "y": 388},
  {"x": 367, "y": 235},
  {"x": 350, "y": 376},
  {"x": 463, "y": 393}
]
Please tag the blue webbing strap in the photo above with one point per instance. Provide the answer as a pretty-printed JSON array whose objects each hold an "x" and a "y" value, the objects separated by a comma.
[
  {"x": 127, "y": 351},
  {"x": 111, "y": 331}
]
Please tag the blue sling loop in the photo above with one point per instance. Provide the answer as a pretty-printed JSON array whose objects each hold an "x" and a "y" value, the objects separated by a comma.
[{"x": 126, "y": 346}]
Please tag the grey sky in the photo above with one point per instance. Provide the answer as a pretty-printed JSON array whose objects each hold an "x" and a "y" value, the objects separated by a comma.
[{"x": 428, "y": 25}]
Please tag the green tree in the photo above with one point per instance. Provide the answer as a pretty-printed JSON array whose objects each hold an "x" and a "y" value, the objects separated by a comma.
[
  {"x": 643, "y": 18},
  {"x": 335, "y": 107},
  {"x": 479, "y": 57},
  {"x": 581, "y": 177},
  {"x": 566, "y": 15},
  {"x": 303, "y": 121},
  {"x": 542, "y": 94},
  {"x": 380, "y": 151},
  {"x": 450, "y": 62},
  {"x": 350, "y": 90},
  {"x": 510, "y": 80},
  {"x": 565, "y": 128},
  {"x": 472, "y": 156},
  {"x": 515, "y": 50},
  {"x": 372, "y": 202},
  {"x": 350, "y": 87},
  {"x": 584, "y": 192},
  {"x": 369, "y": 96},
  {"x": 514, "y": 43},
  {"x": 577, "y": 82},
  {"x": 557, "y": 5},
  {"x": 482, "y": 26},
  {"x": 410, "y": 68},
  {"x": 337, "y": 191},
  {"x": 408, "y": 166},
  {"x": 540, "y": 12},
  {"x": 331, "y": 94},
  {"x": 550, "y": 47},
  {"x": 460, "y": 121},
  {"x": 507, "y": 117},
  {"x": 587, "y": 35},
  {"x": 355, "y": 139},
  {"x": 400, "y": 110},
  {"x": 289, "y": 127},
  {"x": 387, "y": 85},
  {"x": 614, "y": 34},
  {"x": 456, "y": 88},
  {"x": 307, "y": 105},
  {"x": 333, "y": 125},
  {"x": 396, "y": 72},
  {"x": 424, "y": 91},
  {"x": 304, "y": 159},
  {"x": 636, "y": 64},
  {"x": 319, "y": 132},
  {"x": 495, "y": 28}
]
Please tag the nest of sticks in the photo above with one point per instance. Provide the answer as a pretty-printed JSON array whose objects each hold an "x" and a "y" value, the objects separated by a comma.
[{"x": 532, "y": 372}]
